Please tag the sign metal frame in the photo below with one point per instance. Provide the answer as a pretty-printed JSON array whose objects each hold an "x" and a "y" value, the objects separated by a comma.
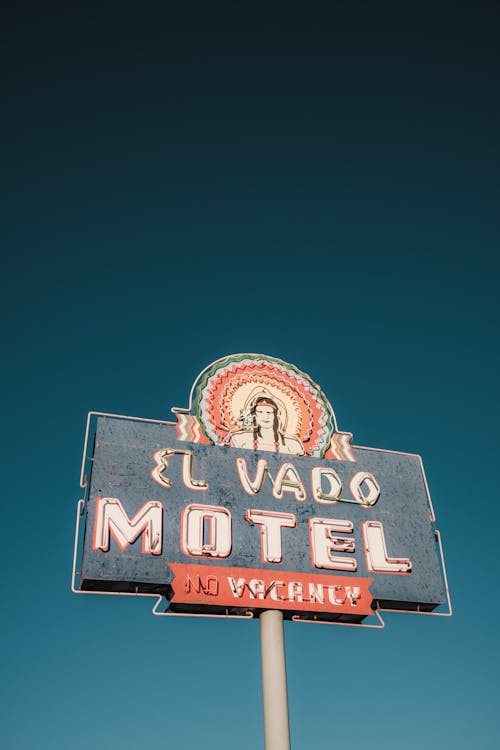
[{"x": 376, "y": 621}]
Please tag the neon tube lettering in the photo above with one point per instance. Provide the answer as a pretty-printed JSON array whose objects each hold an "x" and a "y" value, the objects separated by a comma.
[
  {"x": 161, "y": 460},
  {"x": 377, "y": 559},
  {"x": 251, "y": 487},
  {"x": 111, "y": 518},
  {"x": 323, "y": 543},
  {"x": 195, "y": 519},
  {"x": 270, "y": 531},
  {"x": 288, "y": 480},
  {"x": 333, "y": 495}
]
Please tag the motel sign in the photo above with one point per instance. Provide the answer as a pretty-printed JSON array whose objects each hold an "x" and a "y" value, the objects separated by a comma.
[{"x": 254, "y": 500}]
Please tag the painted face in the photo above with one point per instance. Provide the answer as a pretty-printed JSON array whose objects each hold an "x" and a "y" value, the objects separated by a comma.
[{"x": 264, "y": 416}]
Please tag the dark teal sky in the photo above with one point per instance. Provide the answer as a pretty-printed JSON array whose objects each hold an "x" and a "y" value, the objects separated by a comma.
[{"x": 317, "y": 181}]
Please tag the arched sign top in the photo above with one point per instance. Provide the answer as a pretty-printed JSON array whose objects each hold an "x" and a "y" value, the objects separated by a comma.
[{"x": 259, "y": 402}]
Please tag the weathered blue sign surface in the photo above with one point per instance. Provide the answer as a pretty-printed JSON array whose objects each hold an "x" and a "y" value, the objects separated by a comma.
[{"x": 271, "y": 515}]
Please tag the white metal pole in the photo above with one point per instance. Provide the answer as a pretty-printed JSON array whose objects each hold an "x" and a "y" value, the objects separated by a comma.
[{"x": 276, "y": 728}]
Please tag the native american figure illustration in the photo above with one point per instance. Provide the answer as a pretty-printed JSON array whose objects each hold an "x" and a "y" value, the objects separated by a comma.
[{"x": 262, "y": 426}]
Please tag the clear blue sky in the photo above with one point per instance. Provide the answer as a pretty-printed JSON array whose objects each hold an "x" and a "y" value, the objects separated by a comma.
[{"x": 317, "y": 181}]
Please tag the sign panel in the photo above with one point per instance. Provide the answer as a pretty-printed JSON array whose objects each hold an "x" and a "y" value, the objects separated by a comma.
[{"x": 254, "y": 500}]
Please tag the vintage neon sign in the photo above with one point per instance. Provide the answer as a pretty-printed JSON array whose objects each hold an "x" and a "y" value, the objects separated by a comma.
[{"x": 253, "y": 499}]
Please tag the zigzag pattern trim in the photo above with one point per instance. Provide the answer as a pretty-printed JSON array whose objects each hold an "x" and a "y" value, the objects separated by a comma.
[
  {"x": 189, "y": 430},
  {"x": 341, "y": 448}
]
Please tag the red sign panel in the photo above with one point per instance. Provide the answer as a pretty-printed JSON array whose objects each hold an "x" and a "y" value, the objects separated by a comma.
[{"x": 254, "y": 588}]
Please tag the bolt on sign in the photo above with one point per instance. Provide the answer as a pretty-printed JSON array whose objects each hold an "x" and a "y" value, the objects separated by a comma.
[{"x": 254, "y": 500}]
